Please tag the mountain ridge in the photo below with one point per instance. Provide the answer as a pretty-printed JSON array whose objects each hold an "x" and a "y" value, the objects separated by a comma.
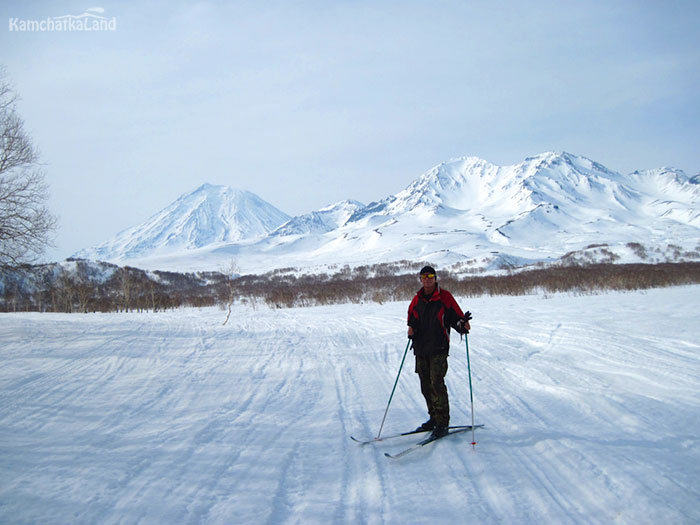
[{"x": 463, "y": 209}]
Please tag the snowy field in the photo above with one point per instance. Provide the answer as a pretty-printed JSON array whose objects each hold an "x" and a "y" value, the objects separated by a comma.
[{"x": 591, "y": 406}]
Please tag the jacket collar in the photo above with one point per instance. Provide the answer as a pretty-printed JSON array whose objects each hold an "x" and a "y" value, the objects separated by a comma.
[{"x": 433, "y": 297}]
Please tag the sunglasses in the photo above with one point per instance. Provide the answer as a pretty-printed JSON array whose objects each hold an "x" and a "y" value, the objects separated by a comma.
[{"x": 427, "y": 276}]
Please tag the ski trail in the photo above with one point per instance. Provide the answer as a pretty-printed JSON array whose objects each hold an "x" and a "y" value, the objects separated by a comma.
[{"x": 172, "y": 417}]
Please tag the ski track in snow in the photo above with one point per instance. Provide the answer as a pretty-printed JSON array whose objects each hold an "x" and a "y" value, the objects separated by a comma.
[{"x": 591, "y": 406}]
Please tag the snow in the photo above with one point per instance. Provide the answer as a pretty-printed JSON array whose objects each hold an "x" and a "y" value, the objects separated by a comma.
[
  {"x": 321, "y": 221},
  {"x": 207, "y": 216},
  {"x": 591, "y": 406},
  {"x": 461, "y": 210}
]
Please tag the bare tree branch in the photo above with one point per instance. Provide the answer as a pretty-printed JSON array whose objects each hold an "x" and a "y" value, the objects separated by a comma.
[{"x": 25, "y": 222}]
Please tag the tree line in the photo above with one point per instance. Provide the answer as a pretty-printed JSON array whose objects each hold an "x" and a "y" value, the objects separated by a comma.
[
  {"x": 81, "y": 286},
  {"x": 26, "y": 228}
]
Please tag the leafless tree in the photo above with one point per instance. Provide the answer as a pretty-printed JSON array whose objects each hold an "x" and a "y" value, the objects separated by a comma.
[
  {"x": 126, "y": 286},
  {"x": 152, "y": 295},
  {"x": 84, "y": 288},
  {"x": 25, "y": 222},
  {"x": 230, "y": 273},
  {"x": 65, "y": 288}
]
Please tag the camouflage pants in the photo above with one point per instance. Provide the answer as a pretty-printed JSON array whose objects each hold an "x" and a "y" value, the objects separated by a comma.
[{"x": 431, "y": 371}]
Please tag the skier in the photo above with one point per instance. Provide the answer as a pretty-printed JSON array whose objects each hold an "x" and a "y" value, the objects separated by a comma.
[{"x": 430, "y": 315}]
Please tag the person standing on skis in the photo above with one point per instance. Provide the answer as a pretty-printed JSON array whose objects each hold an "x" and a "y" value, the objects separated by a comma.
[{"x": 431, "y": 314}]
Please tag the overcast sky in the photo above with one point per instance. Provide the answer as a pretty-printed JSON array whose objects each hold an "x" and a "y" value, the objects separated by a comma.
[{"x": 309, "y": 103}]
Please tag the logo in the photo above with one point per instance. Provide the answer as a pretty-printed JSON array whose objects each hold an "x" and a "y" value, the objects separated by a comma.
[{"x": 91, "y": 20}]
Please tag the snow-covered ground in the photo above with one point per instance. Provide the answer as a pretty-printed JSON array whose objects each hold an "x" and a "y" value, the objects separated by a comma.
[{"x": 591, "y": 406}]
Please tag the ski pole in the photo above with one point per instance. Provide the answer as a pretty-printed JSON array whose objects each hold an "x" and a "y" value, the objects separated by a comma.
[
  {"x": 471, "y": 396},
  {"x": 393, "y": 389}
]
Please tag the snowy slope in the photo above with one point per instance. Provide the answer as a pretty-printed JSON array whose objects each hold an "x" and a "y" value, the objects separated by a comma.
[
  {"x": 174, "y": 418},
  {"x": 320, "y": 221},
  {"x": 206, "y": 216},
  {"x": 553, "y": 194},
  {"x": 471, "y": 211}
]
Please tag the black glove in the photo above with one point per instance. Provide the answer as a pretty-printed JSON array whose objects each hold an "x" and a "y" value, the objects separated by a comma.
[{"x": 461, "y": 328}]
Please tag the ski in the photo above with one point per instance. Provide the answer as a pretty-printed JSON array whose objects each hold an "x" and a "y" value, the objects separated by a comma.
[
  {"x": 410, "y": 433},
  {"x": 428, "y": 440}
]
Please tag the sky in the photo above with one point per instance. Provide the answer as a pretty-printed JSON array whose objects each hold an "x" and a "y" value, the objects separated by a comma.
[{"x": 307, "y": 103}]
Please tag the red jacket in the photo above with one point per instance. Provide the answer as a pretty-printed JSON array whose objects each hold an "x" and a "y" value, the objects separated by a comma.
[{"x": 431, "y": 319}]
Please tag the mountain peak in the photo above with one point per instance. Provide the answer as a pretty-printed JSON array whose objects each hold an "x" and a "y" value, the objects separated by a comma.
[
  {"x": 206, "y": 187},
  {"x": 563, "y": 159},
  {"x": 458, "y": 210},
  {"x": 208, "y": 190},
  {"x": 207, "y": 215}
]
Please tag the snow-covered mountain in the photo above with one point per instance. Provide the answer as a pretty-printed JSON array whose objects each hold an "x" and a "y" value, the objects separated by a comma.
[
  {"x": 320, "y": 221},
  {"x": 550, "y": 192},
  {"x": 466, "y": 211},
  {"x": 206, "y": 216}
]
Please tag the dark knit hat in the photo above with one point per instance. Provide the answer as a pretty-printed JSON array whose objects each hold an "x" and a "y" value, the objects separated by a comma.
[{"x": 428, "y": 269}]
